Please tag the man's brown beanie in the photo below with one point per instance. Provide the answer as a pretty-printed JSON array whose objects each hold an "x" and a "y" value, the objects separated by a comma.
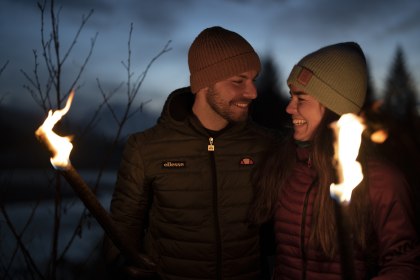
[
  {"x": 335, "y": 75},
  {"x": 217, "y": 54}
]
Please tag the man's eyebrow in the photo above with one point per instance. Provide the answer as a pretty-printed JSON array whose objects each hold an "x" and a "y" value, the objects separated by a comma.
[{"x": 245, "y": 76}]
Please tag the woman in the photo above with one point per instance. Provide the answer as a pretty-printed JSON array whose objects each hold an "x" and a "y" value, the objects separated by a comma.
[{"x": 293, "y": 189}]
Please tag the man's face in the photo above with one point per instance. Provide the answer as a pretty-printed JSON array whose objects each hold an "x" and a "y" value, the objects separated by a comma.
[
  {"x": 306, "y": 113},
  {"x": 231, "y": 98}
]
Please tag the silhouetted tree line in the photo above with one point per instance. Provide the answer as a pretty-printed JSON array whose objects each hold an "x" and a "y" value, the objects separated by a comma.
[
  {"x": 269, "y": 108},
  {"x": 398, "y": 114}
]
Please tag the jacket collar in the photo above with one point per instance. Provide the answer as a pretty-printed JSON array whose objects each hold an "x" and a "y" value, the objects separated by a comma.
[{"x": 177, "y": 112}]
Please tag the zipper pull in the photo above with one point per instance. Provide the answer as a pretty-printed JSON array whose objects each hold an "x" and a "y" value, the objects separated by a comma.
[{"x": 210, "y": 147}]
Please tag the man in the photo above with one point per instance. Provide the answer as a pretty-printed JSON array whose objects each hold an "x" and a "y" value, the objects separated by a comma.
[{"x": 184, "y": 186}]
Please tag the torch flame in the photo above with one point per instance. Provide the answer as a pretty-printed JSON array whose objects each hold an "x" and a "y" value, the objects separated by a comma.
[
  {"x": 379, "y": 136},
  {"x": 348, "y": 130},
  {"x": 59, "y": 146}
]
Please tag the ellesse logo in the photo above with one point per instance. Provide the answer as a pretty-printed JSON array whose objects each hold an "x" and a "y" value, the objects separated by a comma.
[
  {"x": 246, "y": 161},
  {"x": 173, "y": 164}
]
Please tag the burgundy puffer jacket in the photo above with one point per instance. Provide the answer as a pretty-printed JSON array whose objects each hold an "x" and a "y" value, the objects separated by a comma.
[{"x": 399, "y": 251}]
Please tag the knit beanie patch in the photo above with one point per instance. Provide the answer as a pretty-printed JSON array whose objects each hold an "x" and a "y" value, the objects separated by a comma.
[
  {"x": 217, "y": 54},
  {"x": 335, "y": 75}
]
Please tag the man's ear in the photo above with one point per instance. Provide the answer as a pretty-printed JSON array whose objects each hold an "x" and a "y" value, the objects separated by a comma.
[{"x": 202, "y": 91}]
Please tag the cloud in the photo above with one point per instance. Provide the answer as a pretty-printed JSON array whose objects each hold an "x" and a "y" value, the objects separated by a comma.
[
  {"x": 157, "y": 17},
  {"x": 322, "y": 17},
  {"x": 410, "y": 22}
]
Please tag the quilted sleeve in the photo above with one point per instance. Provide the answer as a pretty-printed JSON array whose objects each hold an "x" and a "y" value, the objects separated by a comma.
[
  {"x": 129, "y": 202},
  {"x": 393, "y": 218}
]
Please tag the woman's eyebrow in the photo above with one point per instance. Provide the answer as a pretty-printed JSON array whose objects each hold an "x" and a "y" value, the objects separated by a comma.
[{"x": 298, "y": 93}]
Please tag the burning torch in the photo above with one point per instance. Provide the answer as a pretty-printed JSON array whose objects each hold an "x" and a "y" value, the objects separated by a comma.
[
  {"x": 60, "y": 148},
  {"x": 348, "y": 130}
]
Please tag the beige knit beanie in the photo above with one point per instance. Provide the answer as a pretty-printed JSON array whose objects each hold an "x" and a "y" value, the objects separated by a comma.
[
  {"x": 335, "y": 75},
  {"x": 217, "y": 54}
]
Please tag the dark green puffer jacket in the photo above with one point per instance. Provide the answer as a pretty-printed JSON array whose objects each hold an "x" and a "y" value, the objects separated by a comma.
[{"x": 191, "y": 204}]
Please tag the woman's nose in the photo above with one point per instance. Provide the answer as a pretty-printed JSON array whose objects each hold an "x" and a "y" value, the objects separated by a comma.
[{"x": 291, "y": 107}]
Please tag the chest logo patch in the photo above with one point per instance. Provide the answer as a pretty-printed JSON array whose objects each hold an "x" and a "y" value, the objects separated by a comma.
[
  {"x": 246, "y": 161},
  {"x": 174, "y": 164}
]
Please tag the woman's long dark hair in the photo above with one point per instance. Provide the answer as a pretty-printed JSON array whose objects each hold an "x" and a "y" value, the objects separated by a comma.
[{"x": 277, "y": 168}]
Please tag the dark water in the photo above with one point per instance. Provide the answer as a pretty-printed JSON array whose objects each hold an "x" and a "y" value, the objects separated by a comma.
[{"x": 29, "y": 204}]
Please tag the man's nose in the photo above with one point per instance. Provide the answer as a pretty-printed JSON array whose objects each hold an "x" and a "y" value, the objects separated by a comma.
[{"x": 251, "y": 91}]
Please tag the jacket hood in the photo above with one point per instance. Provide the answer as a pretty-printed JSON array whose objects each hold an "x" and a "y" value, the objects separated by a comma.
[{"x": 177, "y": 107}]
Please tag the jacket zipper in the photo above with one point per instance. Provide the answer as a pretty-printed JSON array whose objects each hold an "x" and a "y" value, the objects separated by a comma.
[
  {"x": 302, "y": 232},
  {"x": 211, "y": 148}
]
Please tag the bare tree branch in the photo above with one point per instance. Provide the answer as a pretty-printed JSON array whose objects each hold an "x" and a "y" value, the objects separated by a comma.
[
  {"x": 132, "y": 92},
  {"x": 76, "y": 36},
  {"x": 3, "y": 67},
  {"x": 20, "y": 243}
]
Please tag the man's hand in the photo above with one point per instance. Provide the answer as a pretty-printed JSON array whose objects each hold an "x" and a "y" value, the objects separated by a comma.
[{"x": 146, "y": 268}]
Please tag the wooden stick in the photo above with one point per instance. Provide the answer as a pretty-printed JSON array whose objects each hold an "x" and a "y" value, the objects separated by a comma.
[
  {"x": 345, "y": 243},
  {"x": 91, "y": 202}
]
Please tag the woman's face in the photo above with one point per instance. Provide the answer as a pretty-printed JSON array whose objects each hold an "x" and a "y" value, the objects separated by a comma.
[{"x": 306, "y": 113}]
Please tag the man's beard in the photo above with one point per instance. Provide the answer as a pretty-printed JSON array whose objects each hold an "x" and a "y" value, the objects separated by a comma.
[{"x": 223, "y": 107}]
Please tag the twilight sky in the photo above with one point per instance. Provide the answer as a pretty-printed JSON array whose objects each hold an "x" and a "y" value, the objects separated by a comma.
[{"x": 285, "y": 29}]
